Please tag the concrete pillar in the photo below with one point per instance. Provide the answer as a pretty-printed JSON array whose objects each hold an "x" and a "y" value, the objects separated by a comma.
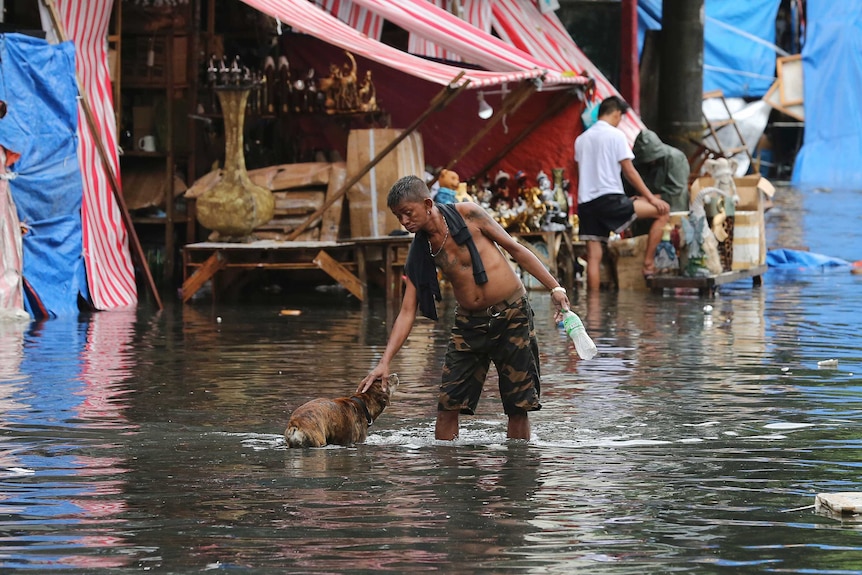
[{"x": 681, "y": 85}]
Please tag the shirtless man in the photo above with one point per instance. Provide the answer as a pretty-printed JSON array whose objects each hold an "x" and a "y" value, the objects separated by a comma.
[{"x": 493, "y": 318}]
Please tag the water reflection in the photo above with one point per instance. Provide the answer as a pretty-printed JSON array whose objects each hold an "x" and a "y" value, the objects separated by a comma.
[
  {"x": 62, "y": 484},
  {"x": 693, "y": 443}
]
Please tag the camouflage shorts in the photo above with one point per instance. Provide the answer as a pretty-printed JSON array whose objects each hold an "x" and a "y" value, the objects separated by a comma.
[{"x": 509, "y": 340}]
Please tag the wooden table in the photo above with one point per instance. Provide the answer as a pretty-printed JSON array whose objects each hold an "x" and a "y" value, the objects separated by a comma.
[
  {"x": 346, "y": 261},
  {"x": 706, "y": 286}
]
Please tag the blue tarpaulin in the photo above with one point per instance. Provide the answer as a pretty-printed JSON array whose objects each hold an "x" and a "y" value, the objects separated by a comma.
[
  {"x": 40, "y": 89},
  {"x": 831, "y": 154},
  {"x": 785, "y": 259},
  {"x": 738, "y": 52}
]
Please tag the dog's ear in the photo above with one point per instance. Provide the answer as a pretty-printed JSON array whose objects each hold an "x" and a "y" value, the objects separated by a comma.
[{"x": 391, "y": 383}]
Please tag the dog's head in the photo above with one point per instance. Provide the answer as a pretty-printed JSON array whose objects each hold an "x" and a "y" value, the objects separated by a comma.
[{"x": 379, "y": 395}]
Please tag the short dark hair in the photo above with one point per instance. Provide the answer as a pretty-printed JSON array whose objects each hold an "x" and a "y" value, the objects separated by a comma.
[
  {"x": 612, "y": 104},
  {"x": 409, "y": 189}
]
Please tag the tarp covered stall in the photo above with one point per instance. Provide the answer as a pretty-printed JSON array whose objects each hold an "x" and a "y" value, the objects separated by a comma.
[
  {"x": 831, "y": 153},
  {"x": 39, "y": 86},
  {"x": 739, "y": 44}
]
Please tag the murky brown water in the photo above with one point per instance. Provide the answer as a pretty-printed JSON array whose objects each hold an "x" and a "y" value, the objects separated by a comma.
[{"x": 136, "y": 441}]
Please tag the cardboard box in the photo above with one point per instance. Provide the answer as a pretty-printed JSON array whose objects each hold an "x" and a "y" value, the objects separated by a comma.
[
  {"x": 755, "y": 196},
  {"x": 628, "y": 257},
  {"x": 754, "y": 190},
  {"x": 369, "y": 215}
]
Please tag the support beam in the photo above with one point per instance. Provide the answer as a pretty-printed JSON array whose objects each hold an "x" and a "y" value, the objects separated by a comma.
[
  {"x": 561, "y": 102},
  {"x": 511, "y": 103},
  {"x": 340, "y": 274},
  {"x": 202, "y": 275}
]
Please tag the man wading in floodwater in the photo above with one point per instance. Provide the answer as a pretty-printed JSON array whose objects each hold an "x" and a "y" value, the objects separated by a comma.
[{"x": 493, "y": 318}]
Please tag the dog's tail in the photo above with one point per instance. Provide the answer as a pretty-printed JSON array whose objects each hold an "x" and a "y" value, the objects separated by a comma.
[{"x": 295, "y": 437}]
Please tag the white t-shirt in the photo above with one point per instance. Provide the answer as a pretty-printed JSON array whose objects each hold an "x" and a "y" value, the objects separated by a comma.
[{"x": 598, "y": 152}]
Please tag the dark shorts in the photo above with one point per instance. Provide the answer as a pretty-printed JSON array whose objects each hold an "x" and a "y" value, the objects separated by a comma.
[
  {"x": 609, "y": 213},
  {"x": 509, "y": 340}
]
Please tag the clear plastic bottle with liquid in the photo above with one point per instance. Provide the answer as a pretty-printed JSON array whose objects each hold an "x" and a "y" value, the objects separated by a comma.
[{"x": 577, "y": 332}]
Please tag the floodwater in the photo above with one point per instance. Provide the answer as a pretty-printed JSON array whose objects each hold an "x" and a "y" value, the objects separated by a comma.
[{"x": 693, "y": 443}]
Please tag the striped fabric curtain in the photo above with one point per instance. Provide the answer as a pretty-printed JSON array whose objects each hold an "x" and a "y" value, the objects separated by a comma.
[
  {"x": 110, "y": 274},
  {"x": 474, "y": 12}
]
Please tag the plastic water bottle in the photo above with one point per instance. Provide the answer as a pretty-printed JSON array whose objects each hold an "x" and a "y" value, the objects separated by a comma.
[{"x": 575, "y": 329}]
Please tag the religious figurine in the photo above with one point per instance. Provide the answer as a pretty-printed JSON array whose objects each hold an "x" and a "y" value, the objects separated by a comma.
[{"x": 367, "y": 94}]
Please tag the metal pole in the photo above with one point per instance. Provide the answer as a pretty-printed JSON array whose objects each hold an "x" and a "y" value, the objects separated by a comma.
[
  {"x": 630, "y": 85},
  {"x": 681, "y": 84}
]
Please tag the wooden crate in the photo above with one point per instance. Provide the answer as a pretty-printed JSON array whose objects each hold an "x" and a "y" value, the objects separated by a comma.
[{"x": 369, "y": 215}]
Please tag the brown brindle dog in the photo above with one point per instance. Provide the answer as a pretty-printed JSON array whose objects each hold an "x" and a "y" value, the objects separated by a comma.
[{"x": 340, "y": 421}]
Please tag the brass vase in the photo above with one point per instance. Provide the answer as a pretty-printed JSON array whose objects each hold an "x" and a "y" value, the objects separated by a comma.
[{"x": 235, "y": 206}]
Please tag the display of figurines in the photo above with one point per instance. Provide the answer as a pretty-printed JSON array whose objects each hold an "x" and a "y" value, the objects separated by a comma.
[
  {"x": 283, "y": 90},
  {"x": 518, "y": 206},
  {"x": 343, "y": 92}
]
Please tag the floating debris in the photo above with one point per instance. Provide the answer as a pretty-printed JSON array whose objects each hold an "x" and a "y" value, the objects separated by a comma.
[{"x": 827, "y": 364}]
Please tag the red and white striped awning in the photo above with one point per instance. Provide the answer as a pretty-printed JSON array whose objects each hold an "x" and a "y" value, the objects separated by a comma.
[
  {"x": 510, "y": 65},
  {"x": 520, "y": 24},
  {"x": 443, "y": 28},
  {"x": 356, "y": 17},
  {"x": 476, "y": 12},
  {"x": 110, "y": 274}
]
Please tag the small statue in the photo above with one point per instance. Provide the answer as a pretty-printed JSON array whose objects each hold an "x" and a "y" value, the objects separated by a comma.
[
  {"x": 666, "y": 261},
  {"x": 350, "y": 87},
  {"x": 367, "y": 94}
]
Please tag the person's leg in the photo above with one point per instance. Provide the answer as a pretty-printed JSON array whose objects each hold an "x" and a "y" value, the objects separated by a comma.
[
  {"x": 594, "y": 263},
  {"x": 653, "y": 239},
  {"x": 447, "y": 425},
  {"x": 519, "y": 426},
  {"x": 645, "y": 210}
]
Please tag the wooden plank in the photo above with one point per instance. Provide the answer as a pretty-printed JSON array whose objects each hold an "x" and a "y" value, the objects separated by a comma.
[
  {"x": 297, "y": 203},
  {"x": 204, "y": 273},
  {"x": 660, "y": 282},
  {"x": 789, "y": 70},
  {"x": 340, "y": 274},
  {"x": 330, "y": 226}
]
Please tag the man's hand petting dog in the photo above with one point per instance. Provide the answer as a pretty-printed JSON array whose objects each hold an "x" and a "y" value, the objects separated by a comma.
[{"x": 340, "y": 421}]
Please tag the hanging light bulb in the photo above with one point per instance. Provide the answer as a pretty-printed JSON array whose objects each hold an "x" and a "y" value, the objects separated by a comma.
[{"x": 485, "y": 109}]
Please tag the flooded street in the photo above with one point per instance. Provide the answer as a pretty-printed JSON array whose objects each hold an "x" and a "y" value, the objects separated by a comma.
[{"x": 693, "y": 443}]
